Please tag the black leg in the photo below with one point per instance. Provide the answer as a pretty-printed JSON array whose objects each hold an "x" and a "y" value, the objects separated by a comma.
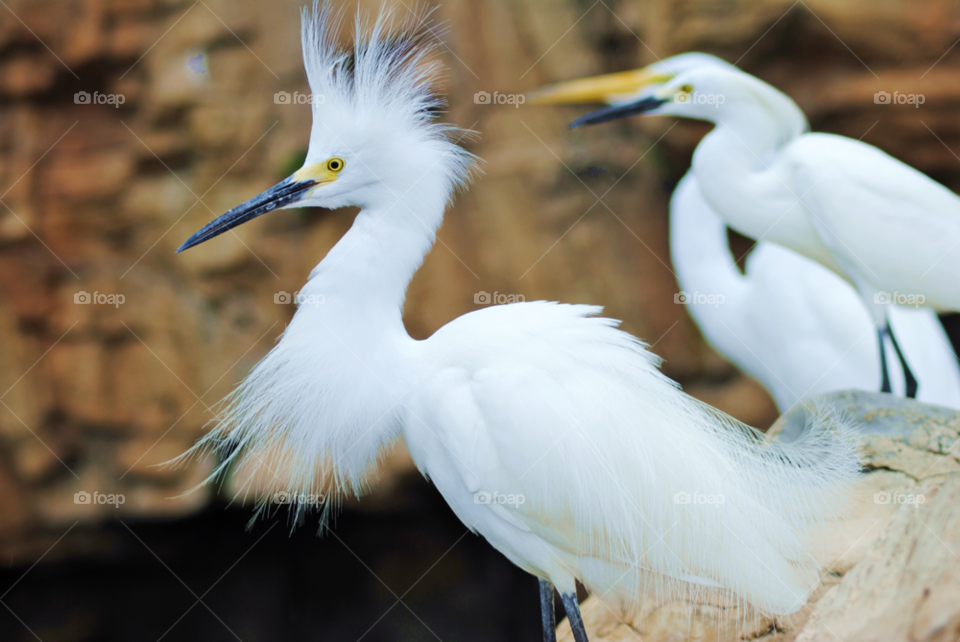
[
  {"x": 572, "y": 608},
  {"x": 885, "y": 381},
  {"x": 547, "y": 613},
  {"x": 911, "y": 381}
]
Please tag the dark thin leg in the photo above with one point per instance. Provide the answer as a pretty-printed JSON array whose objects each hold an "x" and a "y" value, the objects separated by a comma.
[
  {"x": 911, "y": 381},
  {"x": 885, "y": 381},
  {"x": 547, "y": 613},
  {"x": 573, "y": 615}
]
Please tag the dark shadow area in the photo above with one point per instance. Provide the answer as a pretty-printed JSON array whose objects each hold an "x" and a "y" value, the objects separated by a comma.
[{"x": 143, "y": 580}]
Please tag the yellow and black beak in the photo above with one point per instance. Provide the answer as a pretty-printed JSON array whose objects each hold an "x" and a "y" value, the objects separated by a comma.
[
  {"x": 287, "y": 191},
  {"x": 610, "y": 88}
]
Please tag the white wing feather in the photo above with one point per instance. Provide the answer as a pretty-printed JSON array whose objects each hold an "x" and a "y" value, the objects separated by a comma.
[
  {"x": 561, "y": 408},
  {"x": 862, "y": 200}
]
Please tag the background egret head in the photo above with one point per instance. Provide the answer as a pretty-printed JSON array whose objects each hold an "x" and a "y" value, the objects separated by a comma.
[
  {"x": 707, "y": 92},
  {"x": 688, "y": 85}
]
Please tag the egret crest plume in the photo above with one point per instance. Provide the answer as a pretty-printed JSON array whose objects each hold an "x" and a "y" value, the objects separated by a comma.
[{"x": 384, "y": 85}]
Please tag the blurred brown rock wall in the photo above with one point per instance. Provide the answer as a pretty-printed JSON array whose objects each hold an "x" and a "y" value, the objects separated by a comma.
[{"x": 96, "y": 198}]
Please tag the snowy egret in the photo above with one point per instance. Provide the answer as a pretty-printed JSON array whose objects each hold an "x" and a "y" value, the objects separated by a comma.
[
  {"x": 791, "y": 323},
  {"x": 547, "y": 430},
  {"x": 873, "y": 220},
  {"x": 788, "y": 322}
]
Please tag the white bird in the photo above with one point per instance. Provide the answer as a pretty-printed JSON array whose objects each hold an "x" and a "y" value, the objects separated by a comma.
[
  {"x": 889, "y": 230},
  {"x": 547, "y": 430},
  {"x": 788, "y": 322},
  {"x": 791, "y": 323}
]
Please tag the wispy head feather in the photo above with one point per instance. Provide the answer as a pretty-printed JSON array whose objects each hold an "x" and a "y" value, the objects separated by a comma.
[{"x": 384, "y": 87}]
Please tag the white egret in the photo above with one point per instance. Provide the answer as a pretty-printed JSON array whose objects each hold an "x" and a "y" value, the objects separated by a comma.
[
  {"x": 788, "y": 322},
  {"x": 792, "y": 324},
  {"x": 888, "y": 229},
  {"x": 547, "y": 430}
]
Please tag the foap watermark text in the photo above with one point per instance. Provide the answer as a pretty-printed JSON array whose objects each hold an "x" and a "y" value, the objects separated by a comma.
[
  {"x": 484, "y": 98},
  {"x": 698, "y": 98},
  {"x": 84, "y": 498},
  {"x": 886, "y": 497},
  {"x": 483, "y": 497},
  {"x": 285, "y": 298},
  {"x": 696, "y": 298},
  {"x": 306, "y": 499},
  {"x": 296, "y": 98},
  {"x": 96, "y": 98},
  {"x": 896, "y": 98},
  {"x": 485, "y": 298},
  {"x": 683, "y": 497},
  {"x": 98, "y": 298},
  {"x": 915, "y": 300}
]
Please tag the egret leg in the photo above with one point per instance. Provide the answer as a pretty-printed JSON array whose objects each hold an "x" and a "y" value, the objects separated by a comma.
[
  {"x": 547, "y": 613},
  {"x": 572, "y": 608},
  {"x": 911, "y": 382},
  {"x": 885, "y": 376}
]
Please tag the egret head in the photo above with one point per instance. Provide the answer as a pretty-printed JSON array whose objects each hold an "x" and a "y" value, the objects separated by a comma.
[
  {"x": 712, "y": 93},
  {"x": 374, "y": 133}
]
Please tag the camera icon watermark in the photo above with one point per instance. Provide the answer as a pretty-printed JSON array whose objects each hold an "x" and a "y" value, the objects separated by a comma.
[
  {"x": 86, "y": 98},
  {"x": 98, "y": 298},
  {"x": 485, "y": 298},
  {"x": 914, "y": 300},
  {"x": 485, "y": 98},
  {"x": 885, "y": 98},
  {"x": 696, "y": 298},
  {"x": 84, "y": 498}
]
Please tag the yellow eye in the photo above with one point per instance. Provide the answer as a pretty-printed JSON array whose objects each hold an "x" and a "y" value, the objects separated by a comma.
[
  {"x": 335, "y": 165},
  {"x": 686, "y": 89}
]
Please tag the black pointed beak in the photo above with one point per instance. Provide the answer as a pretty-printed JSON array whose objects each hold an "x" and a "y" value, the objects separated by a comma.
[
  {"x": 616, "y": 112},
  {"x": 283, "y": 193}
]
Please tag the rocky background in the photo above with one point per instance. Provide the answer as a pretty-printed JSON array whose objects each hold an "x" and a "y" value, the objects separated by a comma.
[{"x": 94, "y": 199}]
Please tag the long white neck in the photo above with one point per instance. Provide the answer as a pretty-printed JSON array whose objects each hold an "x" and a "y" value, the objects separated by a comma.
[
  {"x": 363, "y": 280},
  {"x": 737, "y": 167},
  {"x": 727, "y": 160},
  {"x": 700, "y": 249},
  {"x": 716, "y": 293}
]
